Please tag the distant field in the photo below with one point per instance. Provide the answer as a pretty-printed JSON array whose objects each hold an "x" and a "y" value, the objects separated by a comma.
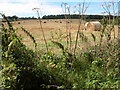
[{"x": 51, "y": 27}]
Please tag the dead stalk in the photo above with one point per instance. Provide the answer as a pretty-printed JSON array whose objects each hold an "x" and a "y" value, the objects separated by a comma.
[
  {"x": 69, "y": 30},
  {"x": 107, "y": 9},
  {"x": 37, "y": 10},
  {"x": 81, "y": 10},
  {"x": 64, "y": 7}
]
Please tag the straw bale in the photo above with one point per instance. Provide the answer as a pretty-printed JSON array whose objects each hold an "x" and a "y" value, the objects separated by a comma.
[{"x": 93, "y": 26}]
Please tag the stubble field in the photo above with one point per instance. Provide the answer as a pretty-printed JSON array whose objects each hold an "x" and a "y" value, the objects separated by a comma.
[{"x": 55, "y": 29}]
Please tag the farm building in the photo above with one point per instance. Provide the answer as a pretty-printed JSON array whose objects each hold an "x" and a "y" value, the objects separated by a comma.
[{"x": 93, "y": 26}]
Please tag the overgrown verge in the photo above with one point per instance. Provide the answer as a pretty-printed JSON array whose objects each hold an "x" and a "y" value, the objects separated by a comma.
[
  {"x": 19, "y": 63},
  {"x": 25, "y": 69}
]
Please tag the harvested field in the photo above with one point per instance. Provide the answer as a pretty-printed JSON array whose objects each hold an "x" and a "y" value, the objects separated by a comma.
[{"x": 51, "y": 27}]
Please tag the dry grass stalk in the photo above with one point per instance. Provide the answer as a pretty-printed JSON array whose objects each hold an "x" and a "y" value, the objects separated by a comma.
[
  {"x": 81, "y": 10},
  {"x": 40, "y": 23}
]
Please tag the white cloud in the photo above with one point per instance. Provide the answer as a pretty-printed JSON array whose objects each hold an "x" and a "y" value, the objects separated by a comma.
[
  {"x": 51, "y": 9},
  {"x": 24, "y": 7}
]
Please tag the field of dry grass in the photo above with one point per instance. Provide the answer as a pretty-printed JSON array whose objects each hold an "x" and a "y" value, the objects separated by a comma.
[{"x": 51, "y": 27}]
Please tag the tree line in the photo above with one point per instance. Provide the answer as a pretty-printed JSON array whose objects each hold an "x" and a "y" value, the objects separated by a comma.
[
  {"x": 62, "y": 16},
  {"x": 75, "y": 16},
  {"x": 16, "y": 18}
]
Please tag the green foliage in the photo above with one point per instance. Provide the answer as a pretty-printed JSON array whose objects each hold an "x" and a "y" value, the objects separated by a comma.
[
  {"x": 18, "y": 62},
  {"x": 83, "y": 37},
  {"x": 32, "y": 38},
  {"x": 25, "y": 69}
]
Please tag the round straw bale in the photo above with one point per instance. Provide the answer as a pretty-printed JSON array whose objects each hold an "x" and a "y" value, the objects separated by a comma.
[
  {"x": 93, "y": 26},
  {"x": 18, "y": 22},
  {"x": 44, "y": 21}
]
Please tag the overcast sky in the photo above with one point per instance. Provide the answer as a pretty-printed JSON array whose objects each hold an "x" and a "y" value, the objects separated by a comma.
[{"x": 23, "y": 8}]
